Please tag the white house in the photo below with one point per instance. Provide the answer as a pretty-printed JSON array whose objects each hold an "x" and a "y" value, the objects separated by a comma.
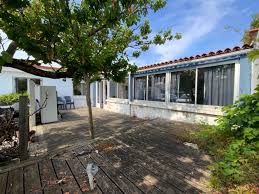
[
  {"x": 13, "y": 80},
  {"x": 190, "y": 89}
]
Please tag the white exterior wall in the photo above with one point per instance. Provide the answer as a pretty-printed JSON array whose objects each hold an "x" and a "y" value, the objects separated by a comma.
[
  {"x": 193, "y": 113},
  {"x": 7, "y": 82},
  {"x": 64, "y": 88},
  {"x": 172, "y": 111},
  {"x": 255, "y": 75},
  {"x": 80, "y": 101}
]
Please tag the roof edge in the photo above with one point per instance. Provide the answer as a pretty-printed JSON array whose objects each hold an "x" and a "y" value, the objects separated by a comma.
[{"x": 245, "y": 48}]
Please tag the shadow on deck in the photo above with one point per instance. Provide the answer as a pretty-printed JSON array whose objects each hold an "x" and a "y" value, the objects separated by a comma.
[{"x": 134, "y": 156}]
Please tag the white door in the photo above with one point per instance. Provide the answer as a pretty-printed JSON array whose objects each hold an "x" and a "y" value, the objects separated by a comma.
[{"x": 48, "y": 100}]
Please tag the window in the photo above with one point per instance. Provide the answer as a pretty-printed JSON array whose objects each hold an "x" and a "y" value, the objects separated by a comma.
[
  {"x": 156, "y": 87},
  {"x": 97, "y": 92},
  {"x": 113, "y": 89},
  {"x": 140, "y": 84},
  {"x": 83, "y": 89},
  {"x": 123, "y": 90},
  {"x": 106, "y": 92},
  {"x": 21, "y": 85},
  {"x": 183, "y": 87},
  {"x": 216, "y": 85}
]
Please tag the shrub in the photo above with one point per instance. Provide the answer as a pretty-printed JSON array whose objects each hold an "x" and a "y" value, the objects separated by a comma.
[
  {"x": 8, "y": 99},
  {"x": 234, "y": 142}
]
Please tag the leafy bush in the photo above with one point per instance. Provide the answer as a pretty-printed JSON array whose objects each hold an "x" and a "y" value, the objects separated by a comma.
[
  {"x": 8, "y": 99},
  {"x": 234, "y": 142}
]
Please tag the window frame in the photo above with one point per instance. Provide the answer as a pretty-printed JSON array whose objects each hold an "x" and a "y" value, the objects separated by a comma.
[
  {"x": 146, "y": 89},
  {"x": 147, "y": 86},
  {"x": 235, "y": 62}
]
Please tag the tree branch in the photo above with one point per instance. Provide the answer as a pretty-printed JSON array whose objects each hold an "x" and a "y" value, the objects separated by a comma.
[{"x": 33, "y": 68}]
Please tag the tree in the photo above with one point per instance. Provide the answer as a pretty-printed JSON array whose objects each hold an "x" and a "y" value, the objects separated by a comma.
[
  {"x": 248, "y": 39},
  {"x": 90, "y": 40}
]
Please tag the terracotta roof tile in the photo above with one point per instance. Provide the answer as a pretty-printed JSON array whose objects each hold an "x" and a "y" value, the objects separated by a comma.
[
  {"x": 204, "y": 55},
  {"x": 254, "y": 30}
]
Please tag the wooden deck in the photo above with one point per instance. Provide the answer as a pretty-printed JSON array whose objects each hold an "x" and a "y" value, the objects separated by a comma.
[{"x": 140, "y": 159}]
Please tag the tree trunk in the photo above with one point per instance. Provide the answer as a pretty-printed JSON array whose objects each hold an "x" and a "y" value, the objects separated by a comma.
[
  {"x": 23, "y": 127},
  {"x": 89, "y": 106}
]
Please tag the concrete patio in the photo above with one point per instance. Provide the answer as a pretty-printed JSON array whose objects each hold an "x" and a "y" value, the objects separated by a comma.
[{"x": 134, "y": 156}]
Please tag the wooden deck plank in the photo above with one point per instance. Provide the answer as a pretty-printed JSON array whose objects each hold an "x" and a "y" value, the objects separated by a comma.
[
  {"x": 63, "y": 172},
  {"x": 148, "y": 177},
  {"x": 116, "y": 175},
  {"x": 15, "y": 181},
  {"x": 78, "y": 172},
  {"x": 48, "y": 178},
  {"x": 184, "y": 171},
  {"x": 32, "y": 182},
  {"x": 3, "y": 181},
  {"x": 172, "y": 145},
  {"x": 150, "y": 148},
  {"x": 168, "y": 142},
  {"x": 102, "y": 180},
  {"x": 141, "y": 180},
  {"x": 173, "y": 177}
]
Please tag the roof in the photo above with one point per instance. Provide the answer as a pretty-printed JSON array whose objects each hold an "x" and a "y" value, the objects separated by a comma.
[
  {"x": 254, "y": 30},
  {"x": 204, "y": 55},
  {"x": 47, "y": 68}
]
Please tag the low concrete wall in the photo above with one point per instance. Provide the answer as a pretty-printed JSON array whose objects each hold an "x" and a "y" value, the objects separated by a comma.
[
  {"x": 171, "y": 111},
  {"x": 118, "y": 105},
  {"x": 80, "y": 101}
]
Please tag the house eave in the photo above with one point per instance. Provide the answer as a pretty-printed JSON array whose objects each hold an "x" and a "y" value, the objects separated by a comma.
[{"x": 196, "y": 62}]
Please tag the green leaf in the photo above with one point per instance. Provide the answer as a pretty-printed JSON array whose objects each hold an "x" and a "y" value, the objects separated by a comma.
[
  {"x": 6, "y": 57},
  {"x": 253, "y": 55},
  {"x": 136, "y": 54}
]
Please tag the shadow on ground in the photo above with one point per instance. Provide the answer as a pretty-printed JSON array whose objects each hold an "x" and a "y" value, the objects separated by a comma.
[{"x": 147, "y": 147}]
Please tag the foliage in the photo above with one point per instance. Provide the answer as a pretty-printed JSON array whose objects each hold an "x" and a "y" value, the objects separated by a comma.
[
  {"x": 254, "y": 24},
  {"x": 255, "y": 21},
  {"x": 253, "y": 55},
  {"x": 89, "y": 38},
  {"x": 235, "y": 143},
  {"x": 85, "y": 37},
  {"x": 9, "y": 99}
]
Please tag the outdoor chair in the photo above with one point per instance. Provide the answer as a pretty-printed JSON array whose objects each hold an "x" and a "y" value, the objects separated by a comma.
[
  {"x": 61, "y": 103},
  {"x": 69, "y": 101}
]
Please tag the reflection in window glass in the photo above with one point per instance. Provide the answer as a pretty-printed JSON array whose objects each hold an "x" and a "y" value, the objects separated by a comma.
[
  {"x": 83, "y": 89},
  {"x": 113, "y": 89},
  {"x": 140, "y": 84},
  {"x": 98, "y": 92},
  {"x": 123, "y": 90},
  {"x": 183, "y": 87},
  {"x": 106, "y": 91},
  {"x": 156, "y": 87},
  {"x": 21, "y": 85},
  {"x": 216, "y": 85}
]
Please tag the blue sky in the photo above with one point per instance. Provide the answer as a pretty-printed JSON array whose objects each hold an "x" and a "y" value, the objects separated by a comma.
[{"x": 201, "y": 23}]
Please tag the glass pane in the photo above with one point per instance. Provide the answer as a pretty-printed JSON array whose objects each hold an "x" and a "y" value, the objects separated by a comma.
[
  {"x": 77, "y": 88},
  {"x": 140, "y": 84},
  {"x": 21, "y": 85},
  {"x": 216, "y": 85},
  {"x": 83, "y": 89},
  {"x": 156, "y": 87},
  {"x": 113, "y": 89},
  {"x": 183, "y": 87},
  {"x": 123, "y": 90},
  {"x": 106, "y": 90},
  {"x": 98, "y": 92}
]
